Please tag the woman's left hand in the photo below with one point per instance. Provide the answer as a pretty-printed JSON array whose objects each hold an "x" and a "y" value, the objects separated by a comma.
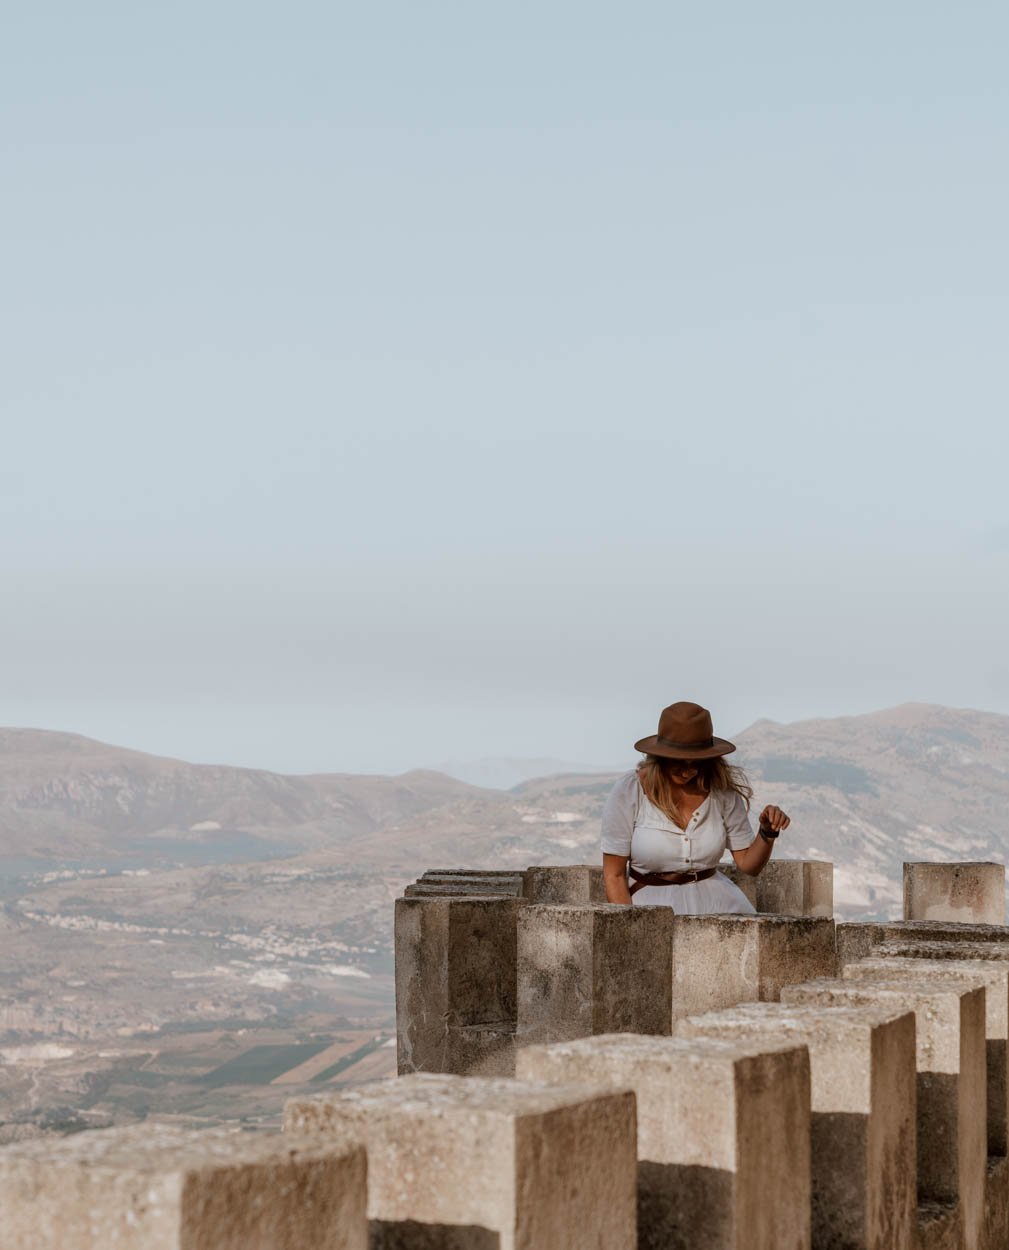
[{"x": 773, "y": 819}]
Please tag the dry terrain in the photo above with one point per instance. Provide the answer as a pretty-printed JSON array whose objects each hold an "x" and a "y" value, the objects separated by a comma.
[{"x": 194, "y": 942}]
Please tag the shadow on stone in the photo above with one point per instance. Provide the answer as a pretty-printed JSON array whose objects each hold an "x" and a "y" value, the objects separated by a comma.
[
  {"x": 839, "y": 1199},
  {"x": 684, "y": 1207},
  {"x": 996, "y": 1216},
  {"x": 938, "y": 1147},
  {"x": 938, "y": 1225},
  {"x": 998, "y": 1131},
  {"x": 413, "y": 1235}
]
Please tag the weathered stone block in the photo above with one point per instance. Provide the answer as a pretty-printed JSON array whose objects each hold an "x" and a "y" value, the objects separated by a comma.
[
  {"x": 483, "y": 1049},
  {"x": 971, "y": 893},
  {"x": 993, "y": 974},
  {"x": 940, "y": 1226},
  {"x": 788, "y": 887},
  {"x": 862, "y": 1067},
  {"x": 594, "y": 968},
  {"x": 722, "y": 960},
  {"x": 951, "y": 1088},
  {"x": 723, "y": 1135},
  {"x": 796, "y": 887},
  {"x": 156, "y": 1187},
  {"x": 456, "y": 984},
  {"x": 996, "y": 1214},
  {"x": 473, "y": 1164},
  {"x": 858, "y": 939},
  {"x": 569, "y": 883},
  {"x": 465, "y": 882},
  {"x": 894, "y": 948}
]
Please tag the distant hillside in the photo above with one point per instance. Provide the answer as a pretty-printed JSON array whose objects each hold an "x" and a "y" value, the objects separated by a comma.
[
  {"x": 146, "y": 903},
  {"x": 504, "y": 773},
  {"x": 66, "y": 797},
  {"x": 911, "y": 782},
  {"x": 917, "y": 781}
]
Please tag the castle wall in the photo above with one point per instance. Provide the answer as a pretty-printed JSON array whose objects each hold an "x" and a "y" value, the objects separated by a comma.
[
  {"x": 970, "y": 893},
  {"x": 484, "y": 1164},
  {"x": 862, "y": 1064},
  {"x": 764, "y": 1082},
  {"x": 157, "y": 1187},
  {"x": 723, "y": 1133}
]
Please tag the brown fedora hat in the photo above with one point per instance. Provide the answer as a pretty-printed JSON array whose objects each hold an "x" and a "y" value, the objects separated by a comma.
[{"x": 685, "y": 734}]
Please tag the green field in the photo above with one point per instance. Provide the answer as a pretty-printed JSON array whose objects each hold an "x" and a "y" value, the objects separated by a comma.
[
  {"x": 261, "y": 1064},
  {"x": 348, "y": 1061}
]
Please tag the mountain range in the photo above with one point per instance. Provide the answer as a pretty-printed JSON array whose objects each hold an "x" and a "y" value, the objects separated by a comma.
[
  {"x": 161, "y": 921},
  {"x": 918, "y": 781},
  {"x": 495, "y": 773}
]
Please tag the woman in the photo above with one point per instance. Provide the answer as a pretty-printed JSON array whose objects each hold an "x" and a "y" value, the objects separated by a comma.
[{"x": 672, "y": 818}]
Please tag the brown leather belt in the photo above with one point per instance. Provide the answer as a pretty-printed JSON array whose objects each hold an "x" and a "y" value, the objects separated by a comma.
[{"x": 668, "y": 878}]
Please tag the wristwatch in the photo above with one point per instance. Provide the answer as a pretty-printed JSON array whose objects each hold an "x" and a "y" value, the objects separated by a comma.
[{"x": 768, "y": 834}]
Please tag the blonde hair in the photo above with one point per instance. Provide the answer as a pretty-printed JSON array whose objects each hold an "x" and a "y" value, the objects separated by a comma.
[{"x": 712, "y": 774}]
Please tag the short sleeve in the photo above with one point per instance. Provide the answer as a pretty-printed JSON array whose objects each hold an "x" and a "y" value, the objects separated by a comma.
[
  {"x": 738, "y": 830},
  {"x": 618, "y": 816}
]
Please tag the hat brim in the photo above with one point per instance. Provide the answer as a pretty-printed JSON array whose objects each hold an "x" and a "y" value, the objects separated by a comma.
[{"x": 652, "y": 746}]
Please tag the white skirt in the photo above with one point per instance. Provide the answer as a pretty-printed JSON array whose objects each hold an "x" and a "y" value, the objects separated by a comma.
[{"x": 712, "y": 896}]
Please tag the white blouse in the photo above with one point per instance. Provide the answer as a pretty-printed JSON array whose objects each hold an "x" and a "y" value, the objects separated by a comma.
[{"x": 633, "y": 826}]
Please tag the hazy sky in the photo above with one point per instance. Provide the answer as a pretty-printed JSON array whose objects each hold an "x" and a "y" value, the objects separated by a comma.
[{"x": 397, "y": 382}]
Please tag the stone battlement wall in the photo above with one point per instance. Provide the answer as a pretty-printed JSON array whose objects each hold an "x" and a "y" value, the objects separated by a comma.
[{"x": 581, "y": 1076}]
